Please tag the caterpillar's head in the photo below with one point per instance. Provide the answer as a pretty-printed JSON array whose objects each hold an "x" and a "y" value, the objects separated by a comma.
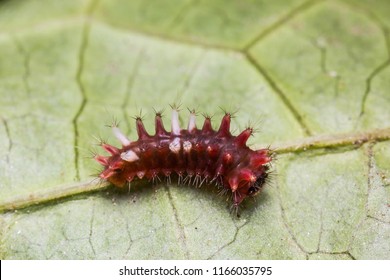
[
  {"x": 113, "y": 172},
  {"x": 251, "y": 187},
  {"x": 258, "y": 185}
]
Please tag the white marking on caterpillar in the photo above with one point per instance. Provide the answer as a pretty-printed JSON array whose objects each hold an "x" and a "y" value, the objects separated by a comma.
[
  {"x": 175, "y": 122},
  {"x": 141, "y": 174},
  {"x": 192, "y": 122},
  {"x": 175, "y": 146},
  {"x": 129, "y": 156},
  {"x": 187, "y": 146},
  {"x": 120, "y": 136}
]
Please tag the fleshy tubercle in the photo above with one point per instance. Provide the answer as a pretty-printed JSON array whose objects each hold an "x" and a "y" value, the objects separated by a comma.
[{"x": 199, "y": 155}]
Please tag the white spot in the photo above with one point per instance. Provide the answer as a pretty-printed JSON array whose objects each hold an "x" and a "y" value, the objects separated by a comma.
[
  {"x": 120, "y": 136},
  {"x": 175, "y": 122},
  {"x": 333, "y": 74},
  {"x": 192, "y": 122},
  {"x": 141, "y": 174},
  {"x": 174, "y": 146},
  {"x": 129, "y": 156},
  {"x": 187, "y": 146}
]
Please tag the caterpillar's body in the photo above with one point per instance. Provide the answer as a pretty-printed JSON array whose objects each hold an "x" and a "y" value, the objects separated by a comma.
[{"x": 201, "y": 155}]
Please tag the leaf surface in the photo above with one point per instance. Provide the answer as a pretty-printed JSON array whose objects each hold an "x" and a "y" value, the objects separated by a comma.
[{"x": 313, "y": 74}]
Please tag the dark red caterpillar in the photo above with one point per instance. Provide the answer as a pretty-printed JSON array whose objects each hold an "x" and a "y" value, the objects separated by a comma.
[{"x": 203, "y": 155}]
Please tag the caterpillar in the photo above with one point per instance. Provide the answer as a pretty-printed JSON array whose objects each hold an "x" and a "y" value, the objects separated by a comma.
[{"x": 200, "y": 156}]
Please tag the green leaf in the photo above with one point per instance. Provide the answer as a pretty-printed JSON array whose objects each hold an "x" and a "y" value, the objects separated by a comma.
[{"x": 313, "y": 74}]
